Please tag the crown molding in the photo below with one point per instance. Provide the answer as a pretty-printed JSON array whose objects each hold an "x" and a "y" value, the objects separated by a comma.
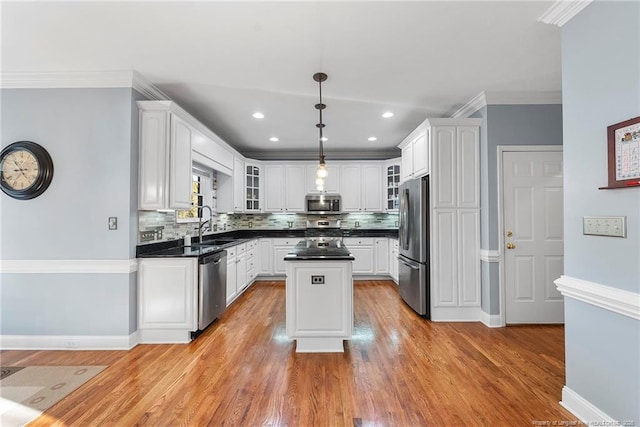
[
  {"x": 508, "y": 98},
  {"x": 562, "y": 11},
  {"x": 329, "y": 154},
  {"x": 81, "y": 79}
]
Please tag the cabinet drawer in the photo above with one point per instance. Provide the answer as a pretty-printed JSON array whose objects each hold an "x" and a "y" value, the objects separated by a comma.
[
  {"x": 242, "y": 248},
  {"x": 355, "y": 241},
  {"x": 231, "y": 252},
  {"x": 251, "y": 254},
  {"x": 286, "y": 242}
]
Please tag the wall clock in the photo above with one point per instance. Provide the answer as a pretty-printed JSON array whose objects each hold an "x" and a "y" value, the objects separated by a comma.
[{"x": 26, "y": 170}]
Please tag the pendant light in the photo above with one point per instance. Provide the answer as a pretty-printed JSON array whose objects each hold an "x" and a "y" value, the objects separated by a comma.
[{"x": 322, "y": 167}]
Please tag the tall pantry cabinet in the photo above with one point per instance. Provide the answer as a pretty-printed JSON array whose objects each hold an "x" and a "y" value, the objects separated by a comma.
[{"x": 453, "y": 154}]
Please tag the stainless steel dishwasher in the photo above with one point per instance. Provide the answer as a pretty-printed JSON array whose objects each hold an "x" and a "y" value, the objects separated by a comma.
[{"x": 212, "y": 287}]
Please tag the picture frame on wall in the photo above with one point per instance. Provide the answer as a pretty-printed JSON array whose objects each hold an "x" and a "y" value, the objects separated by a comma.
[{"x": 623, "y": 151}]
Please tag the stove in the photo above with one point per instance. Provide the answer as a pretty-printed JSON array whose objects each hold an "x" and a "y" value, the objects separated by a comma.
[
  {"x": 323, "y": 230},
  {"x": 322, "y": 241}
]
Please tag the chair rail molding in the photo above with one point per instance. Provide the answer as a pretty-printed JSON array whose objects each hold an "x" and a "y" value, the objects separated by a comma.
[
  {"x": 80, "y": 266},
  {"x": 613, "y": 299}
]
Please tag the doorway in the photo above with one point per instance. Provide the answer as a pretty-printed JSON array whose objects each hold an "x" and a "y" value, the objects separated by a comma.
[{"x": 531, "y": 232}]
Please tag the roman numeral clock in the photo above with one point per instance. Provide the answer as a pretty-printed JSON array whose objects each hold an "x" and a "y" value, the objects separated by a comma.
[{"x": 26, "y": 170}]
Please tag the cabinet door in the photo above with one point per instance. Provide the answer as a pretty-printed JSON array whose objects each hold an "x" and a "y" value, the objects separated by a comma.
[
  {"x": 274, "y": 184},
  {"x": 231, "y": 278},
  {"x": 382, "y": 256},
  {"x": 241, "y": 271},
  {"x": 253, "y": 188},
  {"x": 445, "y": 165},
  {"x": 444, "y": 255},
  {"x": 154, "y": 166},
  {"x": 350, "y": 185},
  {"x": 238, "y": 185},
  {"x": 281, "y": 248},
  {"x": 167, "y": 295},
  {"x": 371, "y": 188},
  {"x": 265, "y": 264},
  {"x": 406, "y": 164},
  {"x": 362, "y": 249},
  {"x": 295, "y": 187},
  {"x": 331, "y": 182},
  {"x": 180, "y": 164},
  {"x": 468, "y": 149},
  {"x": 468, "y": 264},
  {"x": 421, "y": 155}
]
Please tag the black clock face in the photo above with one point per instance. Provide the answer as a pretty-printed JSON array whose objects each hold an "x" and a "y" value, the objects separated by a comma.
[{"x": 26, "y": 170}]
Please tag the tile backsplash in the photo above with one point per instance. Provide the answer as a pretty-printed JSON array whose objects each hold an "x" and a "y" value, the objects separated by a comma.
[{"x": 152, "y": 220}]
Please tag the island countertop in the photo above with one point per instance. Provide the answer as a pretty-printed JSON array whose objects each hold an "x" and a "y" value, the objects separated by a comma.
[{"x": 319, "y": 250}]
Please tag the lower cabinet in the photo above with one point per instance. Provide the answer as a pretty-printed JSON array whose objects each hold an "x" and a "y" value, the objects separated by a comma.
[
  {"x": 167, "y": 299},
  {"x": 393, "y": 259},
  {"x": 362, "y": 248},
  {"x": 237, "y": 274},
  {"x": 381, "y": 265},
  {"x": 281, "y": 247}
]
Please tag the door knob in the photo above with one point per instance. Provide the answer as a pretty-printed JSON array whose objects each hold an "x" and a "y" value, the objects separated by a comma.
[{"x": 511, "y": 246}]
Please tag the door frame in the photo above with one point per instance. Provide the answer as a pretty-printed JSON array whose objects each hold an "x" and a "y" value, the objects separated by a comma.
[{"x": 501, "y": 255}]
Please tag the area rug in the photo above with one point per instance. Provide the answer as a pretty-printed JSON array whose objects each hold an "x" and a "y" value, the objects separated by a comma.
[{"x": 26, "y": 392}]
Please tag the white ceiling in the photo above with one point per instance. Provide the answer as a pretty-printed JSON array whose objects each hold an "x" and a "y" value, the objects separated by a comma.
[{"x": 222, "y": 61}]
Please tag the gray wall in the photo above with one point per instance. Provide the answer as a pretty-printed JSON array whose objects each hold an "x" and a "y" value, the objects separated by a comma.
[
  {"x": 506, "y": 125},
  {"x": 601, "y": 86},
  {"x": 91, "y": 135}
]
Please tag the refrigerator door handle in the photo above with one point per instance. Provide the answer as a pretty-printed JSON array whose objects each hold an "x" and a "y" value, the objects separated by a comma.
[
  {"x": 409, "y": 263},
  {"x": 404, "y": 219}
]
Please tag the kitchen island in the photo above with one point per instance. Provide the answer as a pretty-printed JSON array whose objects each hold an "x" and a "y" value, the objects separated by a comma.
[{"x": 319, "y": 295}]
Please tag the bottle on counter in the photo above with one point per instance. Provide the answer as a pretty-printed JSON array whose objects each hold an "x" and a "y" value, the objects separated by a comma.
[{"x": 187, "y": 239}]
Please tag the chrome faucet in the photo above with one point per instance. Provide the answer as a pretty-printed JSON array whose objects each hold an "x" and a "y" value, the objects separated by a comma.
[{"x": 202, "y": 224}]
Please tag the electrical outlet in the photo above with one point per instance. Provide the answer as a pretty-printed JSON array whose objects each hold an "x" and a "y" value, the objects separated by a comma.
[
  {"x": 113, "y": 223},
  {"x": 317, "y": 280},
  {"x": 611, "y": 226},
  {"x": 147, "y": 236}
]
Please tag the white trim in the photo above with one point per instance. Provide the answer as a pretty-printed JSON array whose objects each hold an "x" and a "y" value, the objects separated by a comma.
[
  {"x": 508, "y": 98},
  {"x": 491, "y": 320},
  {"x": 81, "y": 79},
  {"x": 489, "y": 255},
  {"x": 501, "y": 149},
  {"x": 562, "y": 11},
  {"x": 455, "y": 314},
  {"x": 613, "y": 299},
  {"x": 586, "y": 411},
  {"x": 163, "y": 336},
  {"x": 68, "y": 342},
  {"x": 58, "y": 266}
]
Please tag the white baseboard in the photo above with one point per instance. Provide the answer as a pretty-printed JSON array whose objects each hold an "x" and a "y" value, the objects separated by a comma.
[
  {"x": 586, "y": 412},
  {"x": 491, "y": 320},
  {"x": 456, "y": 314},
  {"x": 163, "y": 336},
  {"x": 68, "y": 342}
]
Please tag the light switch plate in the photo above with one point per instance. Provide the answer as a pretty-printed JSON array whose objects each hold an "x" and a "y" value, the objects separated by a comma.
[
  {"x": 113, "y": 223},
  {"x": 610, "y": 226}
]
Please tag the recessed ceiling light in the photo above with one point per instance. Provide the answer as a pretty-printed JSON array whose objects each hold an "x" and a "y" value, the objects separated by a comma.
[
  {"x": 258, "y": 115},
  {"x": 387, "y": 114},
  {"x": 372, "y": 138},
  {"x": 274, "y": 139},
  {"x": 324, "y": 138}
]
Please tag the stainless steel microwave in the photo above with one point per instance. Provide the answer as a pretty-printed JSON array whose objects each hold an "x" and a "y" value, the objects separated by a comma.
[{"x": 323, "y": 204}]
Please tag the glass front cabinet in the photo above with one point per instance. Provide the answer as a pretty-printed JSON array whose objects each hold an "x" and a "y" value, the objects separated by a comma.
[
  {"x": 252, "y": 189},
  {"x": 393, "y": 184}
]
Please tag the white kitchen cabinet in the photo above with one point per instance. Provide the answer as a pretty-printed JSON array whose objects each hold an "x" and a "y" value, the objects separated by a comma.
[
  {"x": 164, "y": 157},
  {"x": 167, "y": 299},
  {"x": 381, "y": 265},
  {"x": 231, "y": 188},
  {"x": 331, "y": 182},
  {"x": 232, "y": 275},
  {"x": 253, "y": 260},
  {"x": 363, "y": 250},
  {"x": 393, "y": 259},
  {"x": 266, "y": 255},
  {"x": 285, "y": 187},
  {"x": 391, "y": 185},
  {"x": 253, "y": 188},
  {"x": 238, "y": 184},
  {"x": 361, "y": 187},
  {"x": 281, "y": 247},
  {"x": 415, "y": 154}
]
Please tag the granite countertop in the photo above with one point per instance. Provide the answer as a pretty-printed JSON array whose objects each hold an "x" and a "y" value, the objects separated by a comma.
[
  {"x": 318, "y": 250},
  {"x": 175, "y": 248}
]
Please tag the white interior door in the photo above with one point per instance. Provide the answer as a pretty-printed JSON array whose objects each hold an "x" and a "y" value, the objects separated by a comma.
[{"x": 533, "y": 236}]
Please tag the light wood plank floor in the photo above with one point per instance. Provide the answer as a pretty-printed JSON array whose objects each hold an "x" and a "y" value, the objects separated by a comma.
[{"x": 398, "y": 370}]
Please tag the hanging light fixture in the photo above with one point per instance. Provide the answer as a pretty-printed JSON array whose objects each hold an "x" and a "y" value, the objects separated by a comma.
[{"x": 322, "y": 167}]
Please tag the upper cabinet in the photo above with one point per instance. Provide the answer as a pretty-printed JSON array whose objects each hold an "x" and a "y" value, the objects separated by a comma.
[
  {"x": 164, "y": 158},
  {"x": 391, "y": 185},
  {"x": 415, "y": 154},
  {"x": 361, "y": 185},
  {"x": 285, "y": 187},
  {"x": 331, "y": 182},
  {"x": 253, "y": 188}
]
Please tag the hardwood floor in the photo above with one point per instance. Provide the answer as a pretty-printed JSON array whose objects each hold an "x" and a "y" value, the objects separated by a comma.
[{"x": 398, "y": 370}]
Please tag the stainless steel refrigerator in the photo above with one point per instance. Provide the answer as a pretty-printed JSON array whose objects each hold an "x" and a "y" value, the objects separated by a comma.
[{"x": 414, "y": 245}]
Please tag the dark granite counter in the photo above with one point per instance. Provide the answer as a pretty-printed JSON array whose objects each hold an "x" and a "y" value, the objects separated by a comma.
[
  {"x": 319, "y": 250},
  {"x": 210, "y": 242}
]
